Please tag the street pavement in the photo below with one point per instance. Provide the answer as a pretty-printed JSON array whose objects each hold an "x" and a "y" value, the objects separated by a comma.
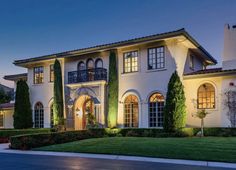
[{"x": 13, "y": 161}]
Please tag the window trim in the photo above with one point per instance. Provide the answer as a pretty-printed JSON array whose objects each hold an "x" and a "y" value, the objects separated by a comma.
[
  {"x": 50, "y": 73},
  {"x": 96, "y": 62},
  {"x": 39, "y": 116},
  {"x": 191, "y": 60},
  {"x": 164, "y": 102},
  {"x": 125, "y": 113},
  {"x": 164, "y": 58},
  {"x": 213, "y": 108},
  {"x": 78, "y": 65},
  {"x": 2, "y": 115},
  {"x": 87, "y": 62},
  {"x": 124, "y": 72},
  {"x": 34, "y": 78}
]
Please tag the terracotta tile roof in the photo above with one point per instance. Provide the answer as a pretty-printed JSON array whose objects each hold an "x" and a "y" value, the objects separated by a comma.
[
  {"x": 115, "y": 45},
  {"x": 6, "y": 105},
  {"x": 210, "y": 71}
]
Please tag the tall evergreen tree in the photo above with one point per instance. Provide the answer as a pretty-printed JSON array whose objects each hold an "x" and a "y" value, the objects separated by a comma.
[
  {"x": 58, "y": 109},
  {"x": 175, "y": 109},
  {"x": 112, "y": 90},
  {"x": 23, "y": 112}
]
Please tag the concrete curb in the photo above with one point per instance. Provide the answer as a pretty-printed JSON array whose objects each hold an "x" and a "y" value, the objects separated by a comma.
[{"x": 4, "y": 149}]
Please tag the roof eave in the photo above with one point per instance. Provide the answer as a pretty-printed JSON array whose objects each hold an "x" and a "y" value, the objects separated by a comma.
[
  {"x": 206, "y": 75},
  {"x": 116, "y": 45}
]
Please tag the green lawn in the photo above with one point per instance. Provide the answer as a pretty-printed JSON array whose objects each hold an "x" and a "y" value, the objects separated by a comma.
[{"x": 208, "y": 148}]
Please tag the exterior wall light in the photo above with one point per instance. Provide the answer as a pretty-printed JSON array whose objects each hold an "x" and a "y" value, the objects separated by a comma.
[{"x": 78, "y": 112}]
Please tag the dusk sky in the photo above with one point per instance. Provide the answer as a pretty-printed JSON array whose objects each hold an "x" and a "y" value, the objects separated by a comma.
[{"x": 31, "y": 28}]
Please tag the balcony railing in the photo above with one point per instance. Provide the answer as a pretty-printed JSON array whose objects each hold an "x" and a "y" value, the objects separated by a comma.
[{"x": 87, "y": 75}]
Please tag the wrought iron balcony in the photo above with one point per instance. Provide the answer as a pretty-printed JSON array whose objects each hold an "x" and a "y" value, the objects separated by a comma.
[{"x": 87, "y": 75}]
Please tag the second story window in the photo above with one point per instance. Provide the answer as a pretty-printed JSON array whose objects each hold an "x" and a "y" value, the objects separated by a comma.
[
  {"x": 38, "y": 75},
  {"x": 131, "y": 62},
  {"x": 191, "y": 62},
  {"x": 156, "y": 58},
  {"x": 51, "y": 73}
]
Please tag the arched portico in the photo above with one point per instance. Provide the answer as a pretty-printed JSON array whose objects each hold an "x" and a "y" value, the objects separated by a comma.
[{"x": 83, "y": 106}]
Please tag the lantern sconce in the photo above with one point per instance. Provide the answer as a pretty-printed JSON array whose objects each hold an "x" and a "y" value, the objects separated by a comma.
[
  {"x": 78, "y": 112},
  {"x": 231, "y": 84}
]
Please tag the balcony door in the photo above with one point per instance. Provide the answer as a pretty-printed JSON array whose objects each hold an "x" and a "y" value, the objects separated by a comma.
[{"x": 90, "y": 69}]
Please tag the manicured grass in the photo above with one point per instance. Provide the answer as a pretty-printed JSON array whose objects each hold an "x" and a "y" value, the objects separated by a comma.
[{"x": 208, "y": 148}]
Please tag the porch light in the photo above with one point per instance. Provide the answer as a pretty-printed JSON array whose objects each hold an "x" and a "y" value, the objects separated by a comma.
[{"x": 78, "y": 112}]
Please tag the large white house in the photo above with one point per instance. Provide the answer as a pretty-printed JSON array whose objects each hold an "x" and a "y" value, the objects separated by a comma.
[{"x": 144, "y": 68}]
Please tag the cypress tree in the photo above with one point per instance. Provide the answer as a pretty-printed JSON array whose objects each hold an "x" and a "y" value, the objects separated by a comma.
[
  {"x": 58, "y": 111},
  {"x": 112, "y": 91},
  {"x": 175, "y": 109},
  {"x": 22, "y": 111}
]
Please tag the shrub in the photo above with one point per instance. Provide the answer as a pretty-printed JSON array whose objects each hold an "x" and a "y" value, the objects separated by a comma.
[
  {"x": 7, "y": 133},
  {"x": 26, "y": 142},
  {"x": 217, "y": 131}
]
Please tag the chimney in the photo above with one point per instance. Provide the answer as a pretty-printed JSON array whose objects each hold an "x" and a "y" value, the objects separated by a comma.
[{"x": 229, "y": 52}]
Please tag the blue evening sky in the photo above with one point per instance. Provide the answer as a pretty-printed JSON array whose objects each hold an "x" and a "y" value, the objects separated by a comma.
[{"x": 30, "y": 28}]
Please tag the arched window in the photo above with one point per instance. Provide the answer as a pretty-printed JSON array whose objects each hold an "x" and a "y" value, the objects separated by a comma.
[
  {"x": 156, "y": 107},
  {"x": 90, "y": 64},
  {"x": 38, "y": 115},
  {"x": 131, "y": 111},
  {"x": 206, "y": 96},
  {"x": 81, "y": 65},
  {"x": 51, "y": 116},
  {"x": 99, "y": 63}
]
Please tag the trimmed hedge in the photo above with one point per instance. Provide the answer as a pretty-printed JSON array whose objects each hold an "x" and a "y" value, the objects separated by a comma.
[
  {"x": 26, "y": 142},
  {"x": 43, "y": 139},
  {"x": 148, "y": 132},
  {"x": 5, "y": 134},
  {"x": 221, "y": 132}
]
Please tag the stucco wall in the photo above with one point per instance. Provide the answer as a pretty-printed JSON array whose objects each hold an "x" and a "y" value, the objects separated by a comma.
[
  {"x": 191, "y": 87},
  {"x": 42, "y": 92},
  {"x": 7, "y": 118},
  {"x": 145, "y": 82}
]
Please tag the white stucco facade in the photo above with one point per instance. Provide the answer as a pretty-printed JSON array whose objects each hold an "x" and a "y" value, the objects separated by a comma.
[{"x": 180, "y": 53}]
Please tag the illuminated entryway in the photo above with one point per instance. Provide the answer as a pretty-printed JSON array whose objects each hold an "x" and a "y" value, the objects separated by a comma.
[{"x": 83, "y": 106}]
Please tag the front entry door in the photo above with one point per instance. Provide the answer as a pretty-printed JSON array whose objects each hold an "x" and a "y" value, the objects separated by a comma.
[{"x": 87, "y": 108}]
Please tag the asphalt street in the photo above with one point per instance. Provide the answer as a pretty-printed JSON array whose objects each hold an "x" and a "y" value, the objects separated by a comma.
[{"x": 39, "y": 162}]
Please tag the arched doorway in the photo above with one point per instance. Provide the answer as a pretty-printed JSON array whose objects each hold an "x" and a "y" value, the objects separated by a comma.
[
  {"x": 83, "y": 106},
  {"x": 131, "y": 111}
]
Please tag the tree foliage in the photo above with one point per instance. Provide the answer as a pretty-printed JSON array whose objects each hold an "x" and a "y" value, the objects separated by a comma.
[
  {"x": 175, "y": 109},
  {"x": 112, "y": 90},
  {"x": 22, "y": 111},
  {"x": 230, "y": 103},
  {"x": 58, "y": 109},
  {"x": 4, "y": 97}
]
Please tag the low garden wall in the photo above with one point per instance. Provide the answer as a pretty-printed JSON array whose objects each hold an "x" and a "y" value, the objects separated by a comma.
[{"x": 30, "y": 141}]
